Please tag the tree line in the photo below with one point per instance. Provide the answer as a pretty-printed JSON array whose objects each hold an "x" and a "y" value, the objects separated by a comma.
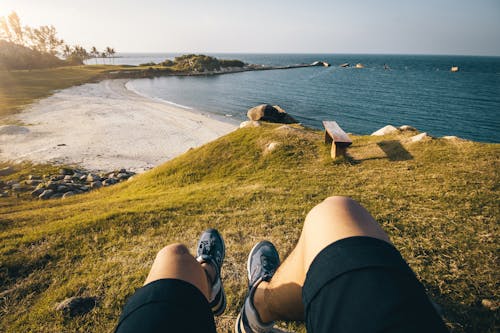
[{"x": 44, "y": 40}]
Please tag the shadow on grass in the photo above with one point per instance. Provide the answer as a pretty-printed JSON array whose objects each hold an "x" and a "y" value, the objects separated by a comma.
[{"x": 395, "y": 151}]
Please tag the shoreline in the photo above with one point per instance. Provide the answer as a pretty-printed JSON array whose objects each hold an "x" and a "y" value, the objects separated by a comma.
[{"x": 105, "y": 126}]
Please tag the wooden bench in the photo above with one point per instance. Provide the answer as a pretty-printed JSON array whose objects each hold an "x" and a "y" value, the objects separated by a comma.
[{"x": 337, "y": 137}]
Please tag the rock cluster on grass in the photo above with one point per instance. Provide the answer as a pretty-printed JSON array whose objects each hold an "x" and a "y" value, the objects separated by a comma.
[{"x": 65, "y": 184}]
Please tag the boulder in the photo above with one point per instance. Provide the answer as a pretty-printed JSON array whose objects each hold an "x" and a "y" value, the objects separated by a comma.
[
  {"x": 250, "y": 123},
  {"x": 92, "y": 178},
  {"x": 271, "y": 146},
  {"x": 68, "y": 194},
  {"x": 46, "y": 194},
  {"x": 62, "y": 188},
  {"x": 37, "y": 192},
  {"x": 419, "y": 137},
  {"x": 408, "y": 128},
  {"x": 95, "y": 185},
  {"x": 76, "y": 306},
  {"x": 385, "y": 130},
  {"x": 33, "y": 182},
  {"x": 6, "y": 171},
  {"x": 273, "y": 114},
  {"x": 16, "y": 187},
  {"x": 56, "y": 195},
  {"x": 34, "y": 177}
]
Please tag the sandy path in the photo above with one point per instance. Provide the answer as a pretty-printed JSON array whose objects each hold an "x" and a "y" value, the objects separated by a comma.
[{"x": 105, "y": 126}]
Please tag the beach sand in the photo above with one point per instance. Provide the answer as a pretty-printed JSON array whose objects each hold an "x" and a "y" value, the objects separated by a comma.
[{"x": 104, "y": 126}]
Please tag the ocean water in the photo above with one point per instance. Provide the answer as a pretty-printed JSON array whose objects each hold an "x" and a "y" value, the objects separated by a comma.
[{"x": 420, "y": 91}]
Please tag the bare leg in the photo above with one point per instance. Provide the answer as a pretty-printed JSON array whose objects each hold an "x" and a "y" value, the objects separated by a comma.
[
  {"x": 175, "y": 262},
  {"x": 333, "y": 219}
]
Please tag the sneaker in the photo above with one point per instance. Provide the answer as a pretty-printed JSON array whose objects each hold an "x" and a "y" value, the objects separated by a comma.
[
  {"x": 262, "y": 263},
  {"x": 211, "y": 250}
]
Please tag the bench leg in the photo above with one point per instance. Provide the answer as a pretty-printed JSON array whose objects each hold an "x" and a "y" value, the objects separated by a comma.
[{"x": 338, "y": 150}]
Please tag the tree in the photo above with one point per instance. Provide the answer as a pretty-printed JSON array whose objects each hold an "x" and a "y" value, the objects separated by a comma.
[
  {"x": 112, "y": 52},
  {"x": 5, "y": 32},
  {"x": 94, "y": 53},
  {"x": 67, "y": 51},
  {"x": 103, "y": 56},
  {"x": 16, "y": 28}
]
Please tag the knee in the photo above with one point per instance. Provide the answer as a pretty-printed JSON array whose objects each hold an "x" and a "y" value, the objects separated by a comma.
[
  {"x": 327, "y": 210},
  {"x": 172, "y": 252},
  {"x": 338, "y": 201}
]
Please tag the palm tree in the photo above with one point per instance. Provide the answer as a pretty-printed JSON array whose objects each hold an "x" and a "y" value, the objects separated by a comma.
[
  {"x": 109, "y": 51},
  {"x": 67, "y": 51},
  {"x": 103, "y": 56},
  {"x": 94, "y": 53},
  {"x": 112, "y": 52}
]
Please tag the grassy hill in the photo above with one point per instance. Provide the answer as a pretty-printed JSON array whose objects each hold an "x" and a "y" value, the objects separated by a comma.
[{"x": 438, "y": 200}]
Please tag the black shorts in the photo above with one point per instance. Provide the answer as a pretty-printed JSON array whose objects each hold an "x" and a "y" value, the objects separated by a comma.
[
  {"x": 357, "y": 284},
  {"x": 167, "y": 305},
  {"x": 362, "y": 284}
]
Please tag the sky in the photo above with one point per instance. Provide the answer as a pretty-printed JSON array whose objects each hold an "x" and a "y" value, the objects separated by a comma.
[{"x": 467, "y": 27}]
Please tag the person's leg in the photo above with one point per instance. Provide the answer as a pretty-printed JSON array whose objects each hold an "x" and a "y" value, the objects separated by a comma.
[
  {"x": 175, "y": 262},
  {"x": 181, "y": 293},
  {"x": 333, "y": 219}
]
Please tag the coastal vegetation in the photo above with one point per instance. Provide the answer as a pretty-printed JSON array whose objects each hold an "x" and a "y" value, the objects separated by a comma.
[
  {"x": 25, "y": 47},
  {"x": 436, "y": 199}
]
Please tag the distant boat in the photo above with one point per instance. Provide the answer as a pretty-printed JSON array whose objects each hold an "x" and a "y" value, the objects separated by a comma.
[
  {"x": 359, "y": 65},
  {"x": 346, "y": 64},
  {"x": 454, "y": 69}
]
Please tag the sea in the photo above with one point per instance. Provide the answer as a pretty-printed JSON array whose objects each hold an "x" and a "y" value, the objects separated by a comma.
[{"x": 416, "y": 90}]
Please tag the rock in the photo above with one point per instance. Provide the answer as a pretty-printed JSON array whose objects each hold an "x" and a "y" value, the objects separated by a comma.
[
  {"x": 408, "y": 128},
  {"x": 109, "y": 181},
  {"x": 489, "y": 304},
  {"x": 56, "y": 195},
  {"x": 385, "y": 130},
  {"x": 33, "y": 182},
  {"x": 111, "y": 175},
  {"x": 419, "y": 137},
  {"x": 10, "y": 182},
  {"x": 68, "y": 177},
  {"x": 57, "y": 178},
  {"x": 76, "y": 306},
  {"x": 274, "y": 114},
  {"x": 96, "y": 184},
  {"x": 62, "y": 188},
  {"x": 40, "y": 186},
  {"x": 84, "y": 188},
  {"x": 65, "y": 171},
  {"x": 4, "y": 194},
  {"x": 37, "y": 192},
  {"x": 16, "y": 187},
  {"x": 68, "y": 194},
  {"x": 122, "y": 175},
  {"x": 52, "y": 185},
  {"x": 6, "y": 171},
  {"x": 250, "y": 123},
  {"x": 360, "y": 65},
  {"x": 46, "y": 194},
  {"x": 272, "y": 146},
  {"x": 122, "y": 171},
  {"x": 83, "y": 178},
  {"x": 92, "y": 178},
  {"x": 33, "y": 177}
]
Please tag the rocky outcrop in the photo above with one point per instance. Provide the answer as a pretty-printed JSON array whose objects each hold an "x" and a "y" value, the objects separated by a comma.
[
  {"x": 273, "y": 114},
  {"x": 67, "y": 183},
  {"x": 385, "y": 130}
]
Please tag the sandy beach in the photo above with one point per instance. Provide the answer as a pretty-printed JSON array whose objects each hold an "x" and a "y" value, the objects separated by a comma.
[{"x": 105, "y": 126}]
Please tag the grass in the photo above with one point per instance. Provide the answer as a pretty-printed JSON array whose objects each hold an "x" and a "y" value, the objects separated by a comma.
[{"x": 438, "y": 201}]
